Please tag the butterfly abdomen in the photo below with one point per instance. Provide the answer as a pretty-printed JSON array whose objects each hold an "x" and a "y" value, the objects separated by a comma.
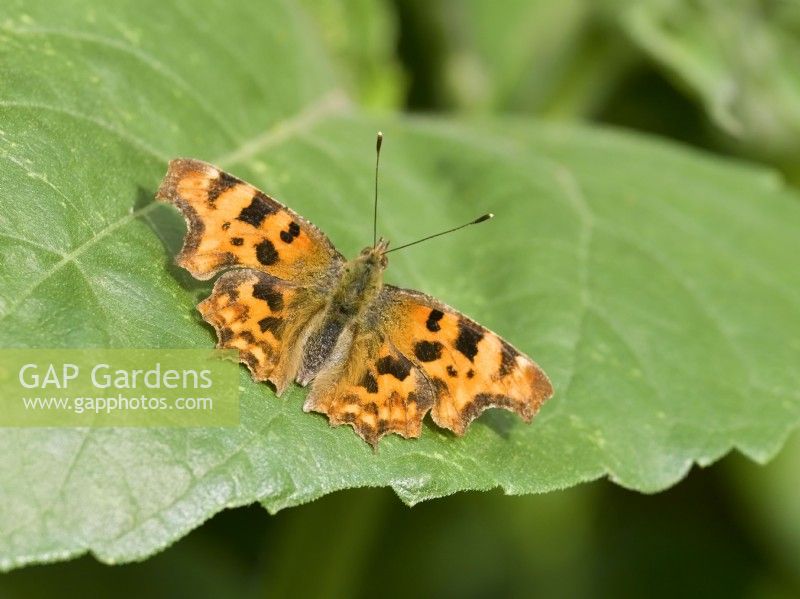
[{"x": 320, "y": 347}]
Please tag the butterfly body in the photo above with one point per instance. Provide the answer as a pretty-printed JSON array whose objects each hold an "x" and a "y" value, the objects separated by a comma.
[
  {"x": 353, "y": 295},
  {"x": 378, "y": 357}
]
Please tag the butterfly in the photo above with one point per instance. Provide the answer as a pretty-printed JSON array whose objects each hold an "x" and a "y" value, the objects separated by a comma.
[{"x": 377, "y": 357}]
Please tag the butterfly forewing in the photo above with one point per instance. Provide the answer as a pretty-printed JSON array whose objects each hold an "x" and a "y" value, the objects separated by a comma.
[
  {"x": 231, "y": 223},
  {"x": 469, "y": 367}
]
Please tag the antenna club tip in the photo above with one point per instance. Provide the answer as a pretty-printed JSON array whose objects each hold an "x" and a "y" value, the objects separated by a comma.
[
  {"x": 379, "y": 141},
  {"x": 480, "y": 219}
]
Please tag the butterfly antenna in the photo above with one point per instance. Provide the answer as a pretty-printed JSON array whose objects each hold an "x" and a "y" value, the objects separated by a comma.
[
  {"x": 480, "y": 219},
  {"x": 378, "y": 143}
]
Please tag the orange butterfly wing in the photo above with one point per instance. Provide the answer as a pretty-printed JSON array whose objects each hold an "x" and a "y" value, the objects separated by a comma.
[
  {"x": 415, "y": 354},
  {"x": 374, "y": 388},
  {"x": 469, "y": 367},
  {"x": 231, "y": 223},
  {"x": 263, "y": 318}
]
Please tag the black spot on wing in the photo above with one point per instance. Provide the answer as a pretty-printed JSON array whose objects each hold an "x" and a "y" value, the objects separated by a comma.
[
  {"x": 369, "y": 383},
  {"x": 349, "y": 399},
  {"x": 248, "y": 358},
  {"x": 226, "y": 259},
  {"x": 266, "y": 253},
  {"x": 439, "y": 386},
  {"x": 258, "y": 209},
  {"x": 229, "y": 285},
  {"x": 266, "y": 292},
  {"x": 219, "y": 185},
  {"x": 369, "y": 433},
  {"x": 509, "y": 360},
  {"x": 452, "y": 372},
  {"x": 273, "y": 325},
  {"x": 468, "y": 339},
  {"x": 434, "y": 317},
  {"x": 398, "y": 368},
  {"x": 289, "y": 235},
  {"x": 428, "y": 351},
  {"x": 237, "y": 241}
]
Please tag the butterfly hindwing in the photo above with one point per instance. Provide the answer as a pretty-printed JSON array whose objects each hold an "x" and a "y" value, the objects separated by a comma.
[
  {"x": 469, "y": 367},
  {"x": 262, "y": 317},
  {"x": 373, "y": 388},
  {"x": 231, "y": 223}
]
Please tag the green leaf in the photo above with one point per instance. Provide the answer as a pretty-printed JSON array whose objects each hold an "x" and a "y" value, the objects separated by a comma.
[
  {"x": 741, "y": 58},
  {"x": 656, "y": 285}
]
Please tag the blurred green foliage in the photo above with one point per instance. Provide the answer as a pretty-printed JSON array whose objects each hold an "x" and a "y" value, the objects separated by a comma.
[
  {"x": 723, "y": 76},
  {"x": 740, "y": 59},
  {"x": 737, "y": 62},
  {"x": 553, "y": 59}
]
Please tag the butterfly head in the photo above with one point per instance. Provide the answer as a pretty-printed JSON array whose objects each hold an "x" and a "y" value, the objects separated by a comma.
[
  {"x": 375, "y": 256},
  {"x": 361, "y": 280}
]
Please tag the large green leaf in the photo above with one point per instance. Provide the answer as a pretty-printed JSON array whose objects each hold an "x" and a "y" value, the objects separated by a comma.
[{"x": 656, "y": 285}]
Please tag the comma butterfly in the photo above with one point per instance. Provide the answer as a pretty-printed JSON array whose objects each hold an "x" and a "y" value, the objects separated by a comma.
[{"x": 379, "y": 357}]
